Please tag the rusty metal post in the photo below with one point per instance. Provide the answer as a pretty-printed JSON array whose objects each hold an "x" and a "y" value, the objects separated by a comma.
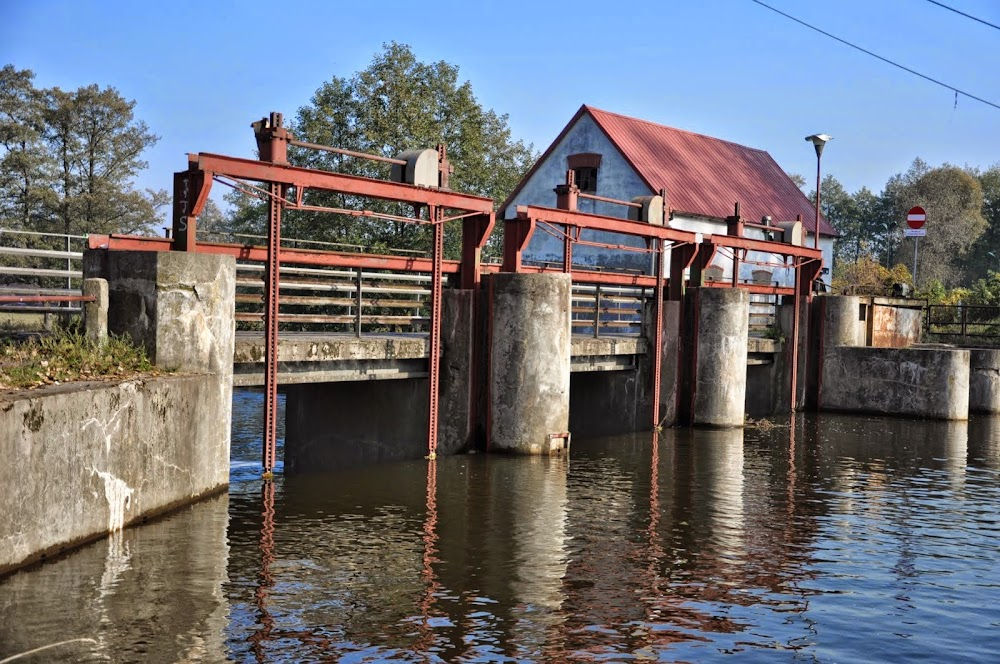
[
  {"x": 271, "y": 302},
  {"x": 658, "y": 334},
  {"x": 272, "y": 143},
  {"x": 796, "y": 313},
  {"x": 567, "y": 194},
  {"x": 434, "y": 356},
  {"x": 597, "y": 312},
  {"x": 358, "y": 301}
]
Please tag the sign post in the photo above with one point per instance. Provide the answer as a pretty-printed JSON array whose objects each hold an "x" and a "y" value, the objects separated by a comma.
[{"x": 915, "y": 220}]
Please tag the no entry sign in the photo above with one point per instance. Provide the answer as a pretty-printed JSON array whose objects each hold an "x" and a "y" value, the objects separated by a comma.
[{"x": 916, "y": 217}]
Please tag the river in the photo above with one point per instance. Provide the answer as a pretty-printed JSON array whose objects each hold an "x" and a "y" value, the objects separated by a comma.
[{"x": 829, "y": 538}]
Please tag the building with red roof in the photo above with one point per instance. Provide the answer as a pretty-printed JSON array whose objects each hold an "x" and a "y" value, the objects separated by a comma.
[{"x": 620, "y": 157}]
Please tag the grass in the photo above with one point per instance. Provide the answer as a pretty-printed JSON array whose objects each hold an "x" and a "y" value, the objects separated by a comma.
[{"x": 66, "y": 355}]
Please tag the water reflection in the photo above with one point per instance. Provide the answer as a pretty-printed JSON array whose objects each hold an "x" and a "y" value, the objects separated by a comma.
[
  {"x": 834, "y": 538},
  {"x": 137, "y": 594}
]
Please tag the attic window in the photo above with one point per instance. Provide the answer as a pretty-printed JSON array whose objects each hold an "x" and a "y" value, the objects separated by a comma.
[{"x": 584, "y": 166}]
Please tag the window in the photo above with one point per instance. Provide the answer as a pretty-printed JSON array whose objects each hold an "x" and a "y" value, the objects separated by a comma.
[{"x": 584, "y": 167}]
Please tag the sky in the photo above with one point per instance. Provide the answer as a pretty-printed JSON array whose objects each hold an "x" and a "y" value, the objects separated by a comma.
[{"x": 201, "y": 72}]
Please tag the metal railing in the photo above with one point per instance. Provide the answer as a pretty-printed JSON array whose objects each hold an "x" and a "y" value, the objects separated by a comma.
[
  {"x": 964, "y": 320},
  {"x": 609, "y": 310},
  {"x": 40, "y": 270},
  {"x": 335, "y": 300}
]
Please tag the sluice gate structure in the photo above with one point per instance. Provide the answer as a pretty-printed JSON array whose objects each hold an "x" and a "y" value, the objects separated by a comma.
[{"x": 503, "y": 357}]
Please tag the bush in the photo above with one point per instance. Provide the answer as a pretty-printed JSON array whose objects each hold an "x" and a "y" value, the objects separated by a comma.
[{"x": 866, "y": 277}]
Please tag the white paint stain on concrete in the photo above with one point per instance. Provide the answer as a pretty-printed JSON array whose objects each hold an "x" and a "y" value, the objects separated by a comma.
[{"x": 119, "y": 497}]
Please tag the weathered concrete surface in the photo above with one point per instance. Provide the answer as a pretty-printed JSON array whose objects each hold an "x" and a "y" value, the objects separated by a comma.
[
  {"x": 530, "y": 362},
  {"x": 177, "y": 305},
  {"x": 317, "y": 358},
  {"x": 339, "y": 425},
  {"x": 984, "y": 381},
  {"x": 721, "y": 356},
  {"x": 844, "y": 320},
  {"x": 85, "y": 459},
  {"x": 897, "y": 381},
  {"x": 95, "y": 314},
  {"x": 179, "y": 614}
]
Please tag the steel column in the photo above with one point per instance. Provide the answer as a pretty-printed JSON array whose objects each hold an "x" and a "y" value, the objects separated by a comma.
[
  {"x": 434, "y": 359},
  {"x": 658, "y": 335},
  {"x": 271, "y": 300}
]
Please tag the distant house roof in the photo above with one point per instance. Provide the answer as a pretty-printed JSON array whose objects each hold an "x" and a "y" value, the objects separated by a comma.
[{"x": 702, "y": 175}]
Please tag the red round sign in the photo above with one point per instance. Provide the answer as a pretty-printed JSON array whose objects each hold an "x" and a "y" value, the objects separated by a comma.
[{"x": 916, "y": 217}]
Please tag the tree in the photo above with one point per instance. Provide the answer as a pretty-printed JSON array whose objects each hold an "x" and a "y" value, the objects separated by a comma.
[
  {"x": 798, "y": 179},
  {"x": 69, "y": 159},
  {"x": 985, "y": 253},
  {"x": 26, "y": 168},
  {"x": 397, "y": 103},
  {"x": 953, "y": 199}
]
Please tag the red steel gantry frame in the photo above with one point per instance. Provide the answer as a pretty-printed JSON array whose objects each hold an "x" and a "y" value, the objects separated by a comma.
[
  {"x": 686, "y": 252},
  {"x": 191, "y": 188}
]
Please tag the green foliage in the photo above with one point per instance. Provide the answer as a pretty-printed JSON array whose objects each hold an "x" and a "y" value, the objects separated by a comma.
[
  {"x": 935, "y": 292},
  {"x": 396, "y": 104},
  {"x": 68, "y": 159},
  {"x": 67, "y": 356},
  {"x": 986, "y": 291}
]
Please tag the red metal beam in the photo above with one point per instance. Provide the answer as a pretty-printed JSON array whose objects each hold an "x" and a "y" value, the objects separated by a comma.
[
  {"x": 589, "y": 277},
  {"x": 763, "y": 246},
  {"x": 249, "y": 169},
  {"x": 288, "y": 256},
  {"x": 600, "y": 223}
]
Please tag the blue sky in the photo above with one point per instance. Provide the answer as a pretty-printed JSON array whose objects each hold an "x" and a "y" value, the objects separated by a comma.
[{"x": 202, "y": 71}]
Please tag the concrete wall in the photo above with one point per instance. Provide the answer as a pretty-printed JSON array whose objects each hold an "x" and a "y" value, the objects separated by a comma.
[
  {"x": 354, "y": 423},
  {"x": 177, "y": 305},
  {"x": 984, "y": 381},
  {"x": 85, "y": 459},
  {"x": 897, "y": 381}
]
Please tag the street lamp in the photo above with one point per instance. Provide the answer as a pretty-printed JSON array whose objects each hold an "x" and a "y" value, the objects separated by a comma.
[{"x": 818, "y": 141}]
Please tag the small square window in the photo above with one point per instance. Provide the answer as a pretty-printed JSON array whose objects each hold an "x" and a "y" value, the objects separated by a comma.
[{"x": 586, "y": 179}]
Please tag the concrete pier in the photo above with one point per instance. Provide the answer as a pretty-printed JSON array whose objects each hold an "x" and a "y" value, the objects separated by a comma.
[
  {"x": 529, "y": 362},
  {"x": 721, "y": 317},
  {"x": 984, "y": 381},
  {"x": 843, "y": 322}
]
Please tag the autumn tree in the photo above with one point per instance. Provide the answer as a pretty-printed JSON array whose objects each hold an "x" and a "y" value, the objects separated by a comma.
[{"x": 397, "y": 103}]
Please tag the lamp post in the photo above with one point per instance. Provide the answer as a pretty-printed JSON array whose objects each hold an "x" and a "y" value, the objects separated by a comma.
[{"x": 818, "y": 141}]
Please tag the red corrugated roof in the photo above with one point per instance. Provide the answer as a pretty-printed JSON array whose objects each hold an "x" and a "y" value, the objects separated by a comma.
[
  {"x": 702, "y": 175},
  {"x": 705, "y": 175}
]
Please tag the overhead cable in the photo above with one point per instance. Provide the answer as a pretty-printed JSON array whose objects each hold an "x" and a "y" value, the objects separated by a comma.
[
  {"x": 876, "y": 55},
  {"x": 974, "y": 18}
]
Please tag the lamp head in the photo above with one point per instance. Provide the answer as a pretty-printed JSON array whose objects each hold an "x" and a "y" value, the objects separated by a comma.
[{"x": 818, "y": 141}]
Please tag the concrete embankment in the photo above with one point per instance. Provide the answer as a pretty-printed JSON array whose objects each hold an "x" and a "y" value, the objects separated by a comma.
[
  {"x": 897, "y": 381},
  {"x": 86, "y": 459}
]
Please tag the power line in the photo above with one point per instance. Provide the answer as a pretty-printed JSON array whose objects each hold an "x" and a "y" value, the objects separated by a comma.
[
  {"x": 886, "y": 60},
  {"x": 974, "y": 18}
]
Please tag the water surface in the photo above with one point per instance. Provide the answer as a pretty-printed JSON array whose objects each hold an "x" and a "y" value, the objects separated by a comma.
[{"x": 830, "y": 539}]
